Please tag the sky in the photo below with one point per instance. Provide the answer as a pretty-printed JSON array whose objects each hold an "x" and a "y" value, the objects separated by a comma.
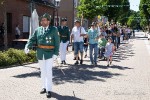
[{"x": 134, "y": 5}]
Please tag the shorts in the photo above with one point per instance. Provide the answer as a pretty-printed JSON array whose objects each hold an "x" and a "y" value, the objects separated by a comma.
[{"x": 78, "y": 46}]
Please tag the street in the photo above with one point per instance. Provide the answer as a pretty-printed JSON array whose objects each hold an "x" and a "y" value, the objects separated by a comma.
[{"x": 127, "y": 79}]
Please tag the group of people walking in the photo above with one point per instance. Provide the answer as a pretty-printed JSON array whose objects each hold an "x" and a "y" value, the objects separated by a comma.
[
  {"x": 102, "y": 41},
  {"x": 52, "y": 41}
]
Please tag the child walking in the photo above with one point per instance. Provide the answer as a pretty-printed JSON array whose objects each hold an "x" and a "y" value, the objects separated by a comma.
[{"x": 109, "y": 50}]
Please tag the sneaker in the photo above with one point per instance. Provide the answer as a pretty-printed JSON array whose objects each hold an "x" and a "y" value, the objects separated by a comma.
[
  {"x": 95, "y": 63},
  {"x": 76, "y": 63},
  {"x": 76, "y": 59},
  {"x": 81, "y": 61},
  {"x": 64, "y": 62},
  {"x": 108, "y": 65},
  {"x": 110, "y": 62}
]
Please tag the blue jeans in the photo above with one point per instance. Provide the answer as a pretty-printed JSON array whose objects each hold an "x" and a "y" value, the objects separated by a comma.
[
  {"x": 78, "y": 46},
  {"x": 95, "y": 48},
  {"x": 85, "y": 48},
  {"x": 115, "y": 40}
]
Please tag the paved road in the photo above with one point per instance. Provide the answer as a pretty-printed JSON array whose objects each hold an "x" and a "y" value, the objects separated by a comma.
[{"x": 127, "y": 79}]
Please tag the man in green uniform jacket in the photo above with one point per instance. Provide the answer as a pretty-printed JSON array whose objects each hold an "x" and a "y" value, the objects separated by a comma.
[
  {"x": 47, "y": 40},
  {"x": 64, "y": 39}
]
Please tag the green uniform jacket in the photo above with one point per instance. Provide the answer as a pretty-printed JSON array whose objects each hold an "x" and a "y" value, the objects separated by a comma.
[
  {"x": 48, "y": 38},
  {"x": 64, "y": 34}
]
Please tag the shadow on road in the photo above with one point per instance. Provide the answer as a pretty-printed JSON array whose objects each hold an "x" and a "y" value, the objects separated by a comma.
[
  {"x": 81, "y": 74},
  {"x": 76, "y": 74},
  {"x": 26, "y": 75},
  {"x": 124, "y": 52},
  {"x": 60, "y": 97}
]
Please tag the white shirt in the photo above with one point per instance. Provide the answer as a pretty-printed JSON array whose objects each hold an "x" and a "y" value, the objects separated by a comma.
[
  {"x": 17, "y": 31},
  {"x": 76, "y": 31},
  {"x": 45, "y": 28},
  {"x": 99, "y": 30}
]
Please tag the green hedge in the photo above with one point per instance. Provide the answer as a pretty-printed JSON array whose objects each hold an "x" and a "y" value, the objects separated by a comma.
[{"x": 16, "y": 57}]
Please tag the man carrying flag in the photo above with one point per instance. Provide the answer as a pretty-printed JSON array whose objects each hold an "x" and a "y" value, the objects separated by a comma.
[{"x": 47, "y": 40}]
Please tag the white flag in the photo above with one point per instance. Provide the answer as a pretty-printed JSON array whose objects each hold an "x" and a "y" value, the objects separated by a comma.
[{"x": 34, "y": 21}]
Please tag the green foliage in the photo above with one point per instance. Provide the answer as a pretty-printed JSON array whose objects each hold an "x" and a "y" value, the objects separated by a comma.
[
  {"x": 88, "y": 9},
  {"x": 144, "y": 12},
  {"x": 115, "y": 12},
  {"x": 92, "y": 8},
  {"x": 133, "y": 20},
  {"x": 14, "y": 56}
]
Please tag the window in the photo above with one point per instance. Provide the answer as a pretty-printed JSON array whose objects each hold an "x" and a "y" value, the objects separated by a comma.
[
  {"x": 9, "y": 22},
  {"x": 26, "y": 23}
]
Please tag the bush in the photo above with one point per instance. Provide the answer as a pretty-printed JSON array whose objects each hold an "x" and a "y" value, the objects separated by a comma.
[{"x": 15, "y": 57}]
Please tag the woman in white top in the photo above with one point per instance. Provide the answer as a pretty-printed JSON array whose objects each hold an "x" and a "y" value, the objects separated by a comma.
[{"x": 17, "y": 32}]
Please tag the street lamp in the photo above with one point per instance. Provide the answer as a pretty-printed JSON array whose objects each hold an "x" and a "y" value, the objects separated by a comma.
[{"x": 57, "y": 4}]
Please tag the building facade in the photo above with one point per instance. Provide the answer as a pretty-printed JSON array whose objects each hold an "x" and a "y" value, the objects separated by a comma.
[
  {"x": 66, "y": 10},
  {"x": 19, "y": 12}
]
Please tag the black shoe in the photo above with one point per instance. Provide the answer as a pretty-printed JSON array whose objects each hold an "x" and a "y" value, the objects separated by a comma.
[
  {"x": 61, "y": 62},
  {"x": 76, "y": 63},
  {"x": 74, "y": 58},
  {"x": 95, "y": 64},
  {"x": 108, "y": 65},
  {"x": 85, "y": 56},
  {"x": 110, "y": 62},
  {"x": 78, "y": 58},
  {"x": 81, "y": 61},
  {"x": 48, "y": 94},
  {"x": 43, "y": 91},
  {"x": 64, "y": 62}
]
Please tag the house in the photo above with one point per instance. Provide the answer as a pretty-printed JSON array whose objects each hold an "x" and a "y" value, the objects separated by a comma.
[
  {"x": 66, "y": 10},
  {"x": 19, "y": 12}
]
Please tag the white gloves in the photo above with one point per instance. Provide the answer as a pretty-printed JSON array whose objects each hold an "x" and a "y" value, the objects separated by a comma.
[
  {"x": 54, "y": 57},
  {"x": 26, "y": 50}
]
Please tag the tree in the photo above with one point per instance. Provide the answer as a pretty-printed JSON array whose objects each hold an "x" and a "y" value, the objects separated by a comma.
[
  {"x": 124, "y": 12},
  {"x": 133, "y": 20},
  {"x": 113, "y": 9},
  {"x": 119, "y": 8},
  {"x": 145, "y": 13},
  {"x": 88, "y": 9}
]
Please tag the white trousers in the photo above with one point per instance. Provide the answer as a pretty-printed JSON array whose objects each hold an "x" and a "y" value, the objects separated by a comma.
[
  {"x": 121, "y": 38},
  {"x": 46, "y": 73},
  {"x": 63, "y": 50}
]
